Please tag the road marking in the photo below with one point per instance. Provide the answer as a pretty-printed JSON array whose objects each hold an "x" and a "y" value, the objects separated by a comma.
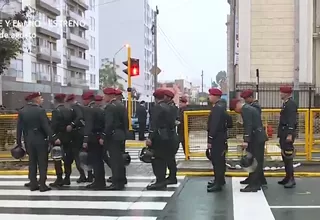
[
  {"x": 249, "y": 205},
  {"x": 69, "y": 217},
  {"x": 296, "y": 207},
  {"x": 151, "y": 177}
]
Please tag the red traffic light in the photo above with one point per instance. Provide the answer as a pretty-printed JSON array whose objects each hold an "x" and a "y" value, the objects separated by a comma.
[
  {"x": 135, "y": 71},
  {"x": 134, "y": 67}
]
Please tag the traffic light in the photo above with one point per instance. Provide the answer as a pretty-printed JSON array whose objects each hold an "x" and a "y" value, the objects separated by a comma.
[{"x": 134, "y": 66}]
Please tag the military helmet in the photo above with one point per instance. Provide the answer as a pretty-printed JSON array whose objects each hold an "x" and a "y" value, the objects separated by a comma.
[
  {"x": 57, "y": 153},
  {"x": 84, "y": 160},
  {"x": 146, "y": 155},
  {"x": 248, "y": 162},
  {"x": 18, "y": 152},
  {"x": 208, "y": 154}
]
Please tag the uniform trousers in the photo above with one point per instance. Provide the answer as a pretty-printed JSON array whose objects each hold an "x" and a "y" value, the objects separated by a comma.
[
  {"x": 142, "y": 129},
  {"x": 257, "y": 178},
  {"x": 218, "y": 158},
  {"x": 96, "y": 151},
  {"x": 38, "y": 157},
  {"x": 116, "y": 149},
  {"x": 288, "y": 162},
  {"x": 163, "y": 154},
  {"x": 172, "y": 164}
]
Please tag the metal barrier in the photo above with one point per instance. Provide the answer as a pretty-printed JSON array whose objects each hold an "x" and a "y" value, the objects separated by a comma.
[
  {"x": 314, "y": 137},
  {"x": 195, "y": 128},
  {"x": 8, "y": 125}
]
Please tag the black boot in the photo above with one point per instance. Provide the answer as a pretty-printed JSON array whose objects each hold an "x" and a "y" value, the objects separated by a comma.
[
  {"x": 34, "y": 186},
  {"x": 245, "y": 182},
  {"x": 66, "y": 181},
  {"x": 284, "y": 181},
  {"x": 250, "y": 188},
  {"x": 290, "y": 184},
  {"x": 215, "y": 187},
  {"x": 82, "y": 179},
  {"x": 171, "y": 180},
  {"x": 44, "y": 188},
  {"x": 58, "y": 182},
  {"x": 157, "y": 186},
  {"x": 90, "y": 177}
]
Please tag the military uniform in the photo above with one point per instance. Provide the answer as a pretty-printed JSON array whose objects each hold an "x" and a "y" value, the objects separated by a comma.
[
  {"x": 172, "y": 164},
  {"x": 287, "y": 127},
  {"x": 217, "y": 140},
  {"x": 160, "y": 140},
  {"x": 61, "y": 118},
  {"x": 114, "y": 135},
  {"x": 77, "y": 125},
  {"x": 36, "y": 128},
  {"x": 92, "y": 134},
  {"x": 247, "y": 95}
]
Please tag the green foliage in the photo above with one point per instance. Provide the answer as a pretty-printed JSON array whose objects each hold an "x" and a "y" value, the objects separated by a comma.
[
  {"x": 108, "y": 75},
  {"x": 12, "y": 47},
  {"x": 214, "y": 85},
  {"x": 222, "y": 75}
]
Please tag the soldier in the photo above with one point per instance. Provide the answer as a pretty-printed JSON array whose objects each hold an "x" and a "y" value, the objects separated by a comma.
[
  {"x": 98, "y": 101},
  {"x": 217, "y": 139},
  {"x": 141, "y": 114},
  {"x": 77, "y": 125},
  {"x": 113, "y": 137},
  {"x": 182, "y": 107},
  {"x": 35, "y": 124},
  {"x": 119, "y": 97},
  {"x": 254, "y": 139},
  {"x": 92, "y": 134},
  {"x": 287, "y": 134},
  {"x": 60, "y": 125},
  {"x": 172, "y": 164},
  {"x": 247, "y": 95},
  {"x": 160, "y": 139}
]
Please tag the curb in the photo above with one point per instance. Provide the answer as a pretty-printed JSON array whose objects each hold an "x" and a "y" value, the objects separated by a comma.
[
  {"x": 21, "y": 172},
  {"x": 245, "y": 174}
]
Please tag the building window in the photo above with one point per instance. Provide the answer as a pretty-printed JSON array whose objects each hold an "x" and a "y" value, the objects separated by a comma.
[
  {"x": 92, "y": 62},
  {"x": 92, "y": 43},
  {"x": 92, "y": 24},
  {"x": 92, "y": 79},
  {"x": 92, "y": 5}
]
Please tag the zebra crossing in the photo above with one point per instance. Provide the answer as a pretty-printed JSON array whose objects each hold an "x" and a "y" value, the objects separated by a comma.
[{"x": 76, "y": 203}]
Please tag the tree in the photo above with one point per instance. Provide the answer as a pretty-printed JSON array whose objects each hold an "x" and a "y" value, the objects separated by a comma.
[
  {"x": 11, "y": 42},
  {"x": 135, "y": 94},
  {"x": 221, "y": 76},
  {"x": 214, "y": 85},
  {"x": 108, "y": 75}
]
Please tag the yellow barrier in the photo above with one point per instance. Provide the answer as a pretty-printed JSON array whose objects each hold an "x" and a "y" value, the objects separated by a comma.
[{"x": 195, "y": 128}]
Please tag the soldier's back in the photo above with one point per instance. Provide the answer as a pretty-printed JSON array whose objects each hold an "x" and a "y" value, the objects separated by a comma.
[{"x": 30, "y": 116}]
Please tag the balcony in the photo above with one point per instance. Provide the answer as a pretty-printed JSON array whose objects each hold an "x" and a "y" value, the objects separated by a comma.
[
  {"x": 49, "y": 5},
  {"x": 12, "y": 72},
  {"x": 73, "y": 81},
  {"x": 49, "y": 30},
  {"x": 81, "y": 3},
  {"x": 45, "y": 77},
  {"x": 78, "y": 63},
  {"x": 43, "y": 53},
  {"x": 78, "y": 18},
  {"x": 77, "y": 41}
]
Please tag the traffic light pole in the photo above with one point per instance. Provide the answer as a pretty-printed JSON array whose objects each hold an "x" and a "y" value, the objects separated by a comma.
[
  {"x": 155, "y": 44},
  {"x": 129, "y": 105}
]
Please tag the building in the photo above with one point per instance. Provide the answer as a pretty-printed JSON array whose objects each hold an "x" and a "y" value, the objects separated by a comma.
[
  {"x": 129, "y": 22},
  {"x": 74, "y": 52},
  {"x": 276, "y": 37}
]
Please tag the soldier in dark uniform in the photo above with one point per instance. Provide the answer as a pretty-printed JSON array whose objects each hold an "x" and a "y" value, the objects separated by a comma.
[
  {"x": 182, "y": 107},
  {"x": 141, "y": 114},
  {"x": 160, "y": 139},
  {"x": 61, "y": 127},
  {"x": 98, "y": 99},
  {"x": 254, "y": 139},
  {"x": 35, "y": 124},
  {"x": 247, "y": 95},
  {"x": 217, "y": 139},
  {"x": 287, "y": 134},
  {"x": 172, "y": 164},
  {"x": 92, "y": 133},
  {"x": 119, "y": 97},
  {"x": 113, "y": 137},
  {"x": 77, "y": 125}
]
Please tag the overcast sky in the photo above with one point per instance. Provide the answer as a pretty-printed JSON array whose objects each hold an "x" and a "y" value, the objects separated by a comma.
[{"x": 192, "y": 37}]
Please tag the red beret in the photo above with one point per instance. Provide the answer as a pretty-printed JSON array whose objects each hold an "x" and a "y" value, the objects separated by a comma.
[
  {"x": 88, "y": 95},
  {"x": 109, "y": 91},
  {"x": 60, "y": 96},
  {"x": 215, "y": 92},
  {"x": 27, "y": 98},
  {"x": 233, "y": 103},
  {"x": 183, "y": 99},
  {"x": 168, "y": 93},
  {"x": 286, "y": 89},
  {"x": 98, "y": 98},
  {"x": 158, "y": 93},
  {"x": 70, "y": 97},
  {"x": 246, "y": 93},
  {"x": 33, "y": 95},
  {"x": 118, "y": 92}
]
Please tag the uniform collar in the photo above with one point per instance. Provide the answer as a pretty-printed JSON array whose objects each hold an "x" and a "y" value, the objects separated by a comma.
[
  {"x": 285, "y": 101},
  {"x": 90, "y": 104}
]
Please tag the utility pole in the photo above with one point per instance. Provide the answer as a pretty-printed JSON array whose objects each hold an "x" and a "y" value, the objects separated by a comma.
[
  {"x": 202, "y": 82},
  {"x": 51, "y": 72},
  {"x": 296, "y": 77},
  {"x": 232, "y": 77},
  {"x": 155, "y": 47}
]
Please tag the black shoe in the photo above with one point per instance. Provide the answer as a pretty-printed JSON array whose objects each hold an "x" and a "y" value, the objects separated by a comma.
[
  {"x": 171, "y": 180},
  {"x": 82, "y": 179},
  {"x": 115, "y": 187},
  {"x": 90, "y": 177},
  {"x": 27, "y": 184},
  {"x": 44, "y": 188},
  {"x": 109, "y": 180},
  {"x": 34, "y": 187},
  {"x": 89, "y": 186},
  {"x": 157, "y": 186},
  {"x": 283, "y": 181},
  {"x": 214, "y": 188},
  {"x": 211, "y": 183},
  {"x": 57, "y": 183},
  {"x": 245, "y": 182},
  {"x": 290, "y": 184},
  {"x": 250, "y": 189},
  {"x": 66, "y": 181}
]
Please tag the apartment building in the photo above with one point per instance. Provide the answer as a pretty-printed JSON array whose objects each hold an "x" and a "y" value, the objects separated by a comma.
[
  {"x": 129, "y": 22},
  {"x": 71, "y": 50}
]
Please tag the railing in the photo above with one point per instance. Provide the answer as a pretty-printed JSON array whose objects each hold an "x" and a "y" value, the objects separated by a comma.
[
  {"x": 195, "y": 128},
  {"x": 78, "y": 39}
]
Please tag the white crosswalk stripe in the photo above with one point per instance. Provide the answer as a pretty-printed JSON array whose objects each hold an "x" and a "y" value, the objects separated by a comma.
[{"x": 76, "y": 203}]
